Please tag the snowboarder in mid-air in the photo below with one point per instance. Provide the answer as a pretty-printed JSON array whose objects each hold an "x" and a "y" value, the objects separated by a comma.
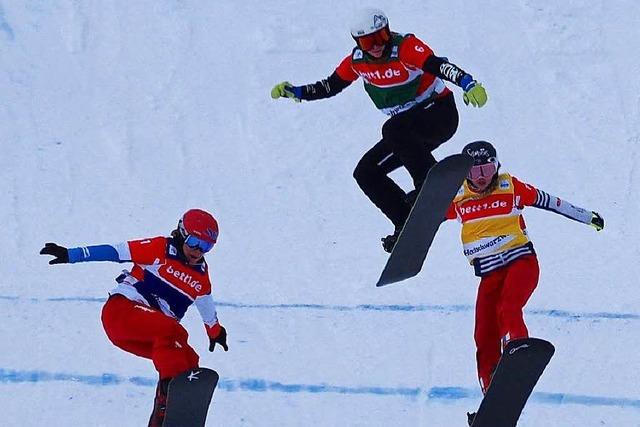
[
  {"x": 489, "y": 205},
  {"x": 404, "y": 79},
  {"x": 142, "y": 313}
]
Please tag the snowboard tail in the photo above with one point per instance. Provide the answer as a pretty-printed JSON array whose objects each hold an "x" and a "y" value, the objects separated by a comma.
[
  {"x": 443, "y": 182},
  {"x": 520, "y": 367},
  {"x": 189, "y": 396}
]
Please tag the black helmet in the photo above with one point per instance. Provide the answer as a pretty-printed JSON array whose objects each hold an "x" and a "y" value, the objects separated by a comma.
[
  {"x": 482, "y": 152},
  {"x": 484, "y": 172}
]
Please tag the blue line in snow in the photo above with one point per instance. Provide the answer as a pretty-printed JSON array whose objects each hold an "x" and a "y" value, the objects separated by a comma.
[
  {"x": 10, "y": 376},
  {"x": 398, "y": 308},
  {"x": 457, "y": 393},
  {"x": 5, "y": 27}
]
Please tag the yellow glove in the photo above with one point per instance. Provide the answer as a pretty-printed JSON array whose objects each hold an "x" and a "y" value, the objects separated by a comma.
[
  {"x": 286, "y": 90},
  {"x": 475, "y": 95}
]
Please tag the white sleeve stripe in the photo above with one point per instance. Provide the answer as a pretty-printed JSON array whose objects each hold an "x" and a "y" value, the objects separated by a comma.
[
  {"x": 564, "y": 208},
  {"x": 542, "y": 200},
  {"x": 123, "y": 251},
  {"x": 207, "y": 309}
]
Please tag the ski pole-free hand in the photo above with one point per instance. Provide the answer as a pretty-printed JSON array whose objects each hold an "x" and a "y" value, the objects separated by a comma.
[
  {"x": 475, "y": 94},
  {"x": 217, "y": 335},
  {"x": 286, "y": 90},
  {"x": 597, "y": 221},
  {"x": 60, "y": 253}
]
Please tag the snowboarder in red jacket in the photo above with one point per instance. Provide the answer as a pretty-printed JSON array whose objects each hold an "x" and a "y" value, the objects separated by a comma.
[
  {"x": 405, "y": 80},
  {"x": 142, "y": 313}
]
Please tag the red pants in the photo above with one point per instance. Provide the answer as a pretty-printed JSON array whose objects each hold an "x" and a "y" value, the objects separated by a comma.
[
  {"x": 502, "y": 295},
  {"x": 148, "y": 333}
]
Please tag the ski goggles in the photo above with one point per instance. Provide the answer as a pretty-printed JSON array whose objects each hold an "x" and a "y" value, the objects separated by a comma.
[
  {"x": 196, "y": 243},
  {"x": 479, "y": 171},
  {"x": 368, "y": 42}
]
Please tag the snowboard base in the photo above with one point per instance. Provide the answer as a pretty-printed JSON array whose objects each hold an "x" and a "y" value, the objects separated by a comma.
[
  {"x": 520, "y": 367},
  {"x": 188, "y": 398},
  {"x": 443, "y": 182}
]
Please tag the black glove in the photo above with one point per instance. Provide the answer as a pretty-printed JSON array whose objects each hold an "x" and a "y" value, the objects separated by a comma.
[
  {"x": 60, "y": 253},
  {"x": 221, "y": 339},
  {"x": 597, "y": 221}
]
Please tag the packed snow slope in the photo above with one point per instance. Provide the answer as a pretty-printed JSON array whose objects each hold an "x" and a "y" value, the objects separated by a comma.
[{"x": 117, "y": 116}]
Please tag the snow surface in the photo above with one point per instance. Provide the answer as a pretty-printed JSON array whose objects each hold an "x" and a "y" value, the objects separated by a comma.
[{"x": 116, "y": 116}]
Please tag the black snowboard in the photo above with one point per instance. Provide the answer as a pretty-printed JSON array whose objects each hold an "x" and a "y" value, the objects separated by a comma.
[
  {"x": 442, "y": 183},
  {"x": 520, "y": 367},
  {"x": 189, "y": 397}
]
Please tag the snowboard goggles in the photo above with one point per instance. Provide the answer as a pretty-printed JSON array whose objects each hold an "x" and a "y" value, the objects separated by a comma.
[
  {"x": 478, "y": 171},
  {"x": 368, "y": 42},
  {"x": 196, "y": 243}
]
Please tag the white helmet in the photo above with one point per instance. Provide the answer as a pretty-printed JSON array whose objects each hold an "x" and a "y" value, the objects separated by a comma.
[{"x": 368, "y": 21}]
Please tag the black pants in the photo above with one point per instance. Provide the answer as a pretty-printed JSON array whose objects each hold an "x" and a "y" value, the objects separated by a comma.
[{"x": 407, "y": 140}]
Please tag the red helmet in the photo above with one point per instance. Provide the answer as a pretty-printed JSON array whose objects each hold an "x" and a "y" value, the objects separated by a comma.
[{"x": 200, "y": 228}]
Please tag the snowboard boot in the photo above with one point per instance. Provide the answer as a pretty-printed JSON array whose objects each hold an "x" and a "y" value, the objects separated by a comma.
[
  {"x": 159, "y": 403},
  {"x": 390, "y": 241},
  {"x": 470, "y": 417}
]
